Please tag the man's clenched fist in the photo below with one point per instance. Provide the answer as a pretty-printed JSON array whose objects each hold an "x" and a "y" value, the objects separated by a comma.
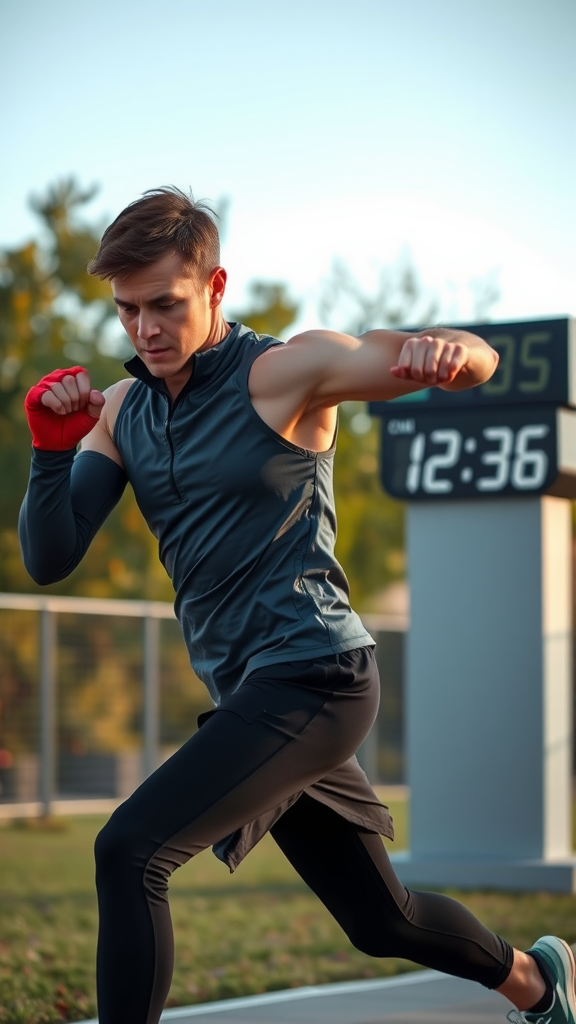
[
  {"x": 430, "y": 360},
  {"x": 62, "y": 408}
]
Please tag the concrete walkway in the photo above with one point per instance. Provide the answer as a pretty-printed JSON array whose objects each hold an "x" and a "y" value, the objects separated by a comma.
[{"x": 424, "y": 997}]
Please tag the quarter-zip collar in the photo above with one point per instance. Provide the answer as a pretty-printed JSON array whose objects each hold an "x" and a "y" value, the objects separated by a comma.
[{"x": 206, "y": 366}]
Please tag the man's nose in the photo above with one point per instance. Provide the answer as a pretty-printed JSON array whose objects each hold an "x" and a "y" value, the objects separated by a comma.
[{"x": 147, "y": 326}]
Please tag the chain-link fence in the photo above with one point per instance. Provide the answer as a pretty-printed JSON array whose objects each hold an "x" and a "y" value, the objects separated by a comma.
[{"x": 95, "y": 694}]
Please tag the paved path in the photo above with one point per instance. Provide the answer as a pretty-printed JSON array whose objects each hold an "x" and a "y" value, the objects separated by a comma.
[{"x": 425, "y": 997}]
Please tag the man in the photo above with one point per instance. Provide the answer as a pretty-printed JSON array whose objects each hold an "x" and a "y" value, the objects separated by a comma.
[{"x": 227, "y": 439}]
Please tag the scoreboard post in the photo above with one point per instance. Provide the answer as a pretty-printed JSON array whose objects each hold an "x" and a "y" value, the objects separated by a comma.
[{"x": 488, "y": 474}]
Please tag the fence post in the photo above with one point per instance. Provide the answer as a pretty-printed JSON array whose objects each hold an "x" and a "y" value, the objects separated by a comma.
[
  {"x": 47, "y": 708},
  {"x": 151, "y": 693}
]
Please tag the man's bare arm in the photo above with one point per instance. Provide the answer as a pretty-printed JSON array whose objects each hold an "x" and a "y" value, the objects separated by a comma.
[
  {"x": 322, "y": 368},
  {"x": 100, "y": 438}
]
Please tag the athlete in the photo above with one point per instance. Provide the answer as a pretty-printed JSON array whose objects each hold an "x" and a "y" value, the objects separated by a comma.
[{"x": 227, "y": 438}]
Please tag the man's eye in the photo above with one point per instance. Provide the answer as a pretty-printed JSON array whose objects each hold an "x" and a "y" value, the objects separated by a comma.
[{"x": 166, "y": 305}]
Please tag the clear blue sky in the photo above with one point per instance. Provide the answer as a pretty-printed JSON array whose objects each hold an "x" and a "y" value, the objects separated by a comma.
[{"x": 350, "y": 128}]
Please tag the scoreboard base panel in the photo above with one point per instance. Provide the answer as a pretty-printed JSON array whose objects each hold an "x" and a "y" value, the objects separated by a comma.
[{"x": 517, "y": 875}]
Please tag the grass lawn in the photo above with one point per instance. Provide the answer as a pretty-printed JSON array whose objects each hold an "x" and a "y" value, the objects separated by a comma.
[{"x": 257, "y": 930}]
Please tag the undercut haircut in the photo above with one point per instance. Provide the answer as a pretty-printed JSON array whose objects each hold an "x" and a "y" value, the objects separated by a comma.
[{"x": 165, "y": 220}]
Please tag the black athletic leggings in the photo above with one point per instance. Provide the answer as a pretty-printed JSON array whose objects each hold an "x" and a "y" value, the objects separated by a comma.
[{"x": 286, "y": 728}]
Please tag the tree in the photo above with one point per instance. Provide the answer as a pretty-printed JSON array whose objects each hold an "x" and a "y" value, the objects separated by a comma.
[
  {"x": 270, "y": 309},
  {"x": 399, "y": 301}
]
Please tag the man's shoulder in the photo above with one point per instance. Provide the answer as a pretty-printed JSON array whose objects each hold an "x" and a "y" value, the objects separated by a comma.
[
  {"x": 115, "y": 396},
  {"x": 294, "y": 363},
  {"x": 120, "y": 387}
]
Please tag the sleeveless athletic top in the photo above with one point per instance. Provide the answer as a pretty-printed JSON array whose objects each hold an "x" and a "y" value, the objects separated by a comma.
[{"x": 244, "y": 519}]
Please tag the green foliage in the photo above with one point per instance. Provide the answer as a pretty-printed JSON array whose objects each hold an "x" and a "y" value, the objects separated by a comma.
[
  {"x": 370, "y": 542},
  {"x": 19, "y": 682},
  {"x": 398, "y": 302},
  {"x": 270, "y": 309}
]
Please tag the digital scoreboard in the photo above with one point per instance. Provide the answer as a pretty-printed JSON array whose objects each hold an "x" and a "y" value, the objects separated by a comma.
[
  {"x": 514, "y": 435},
  {"x": 513, "y": 450}
]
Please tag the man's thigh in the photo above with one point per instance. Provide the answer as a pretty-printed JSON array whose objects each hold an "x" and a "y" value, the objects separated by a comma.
[{"x": 262, "y": 748}]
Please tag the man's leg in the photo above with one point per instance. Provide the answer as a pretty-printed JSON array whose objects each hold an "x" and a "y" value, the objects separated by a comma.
[
  {"x": 350, "y": 871},
  {"x": 262, "y": 749}
]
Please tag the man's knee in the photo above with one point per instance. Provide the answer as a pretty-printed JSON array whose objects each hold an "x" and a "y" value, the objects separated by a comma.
[
  {"x": 117, "y": 846},
  {"x": 126, "y": 855},
  {"x": 371, "y": 942},
  {"x": 381, "y": 931}
]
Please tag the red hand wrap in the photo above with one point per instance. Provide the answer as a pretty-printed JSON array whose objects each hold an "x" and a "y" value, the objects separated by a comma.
[{"x": 50, "y": 431}]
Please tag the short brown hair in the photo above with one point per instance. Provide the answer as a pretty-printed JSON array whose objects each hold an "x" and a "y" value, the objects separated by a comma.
[{"x": 165, "y": 220}]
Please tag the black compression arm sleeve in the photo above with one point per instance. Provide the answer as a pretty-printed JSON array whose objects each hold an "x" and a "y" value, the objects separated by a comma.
[{"x": 67, "y": 500}]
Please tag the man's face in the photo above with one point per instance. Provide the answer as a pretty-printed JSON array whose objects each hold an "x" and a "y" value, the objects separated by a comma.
[{"x": 168, "y": 314}]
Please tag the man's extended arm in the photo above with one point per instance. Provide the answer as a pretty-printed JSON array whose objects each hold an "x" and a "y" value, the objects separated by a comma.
[{"x": 378, "y": 365}]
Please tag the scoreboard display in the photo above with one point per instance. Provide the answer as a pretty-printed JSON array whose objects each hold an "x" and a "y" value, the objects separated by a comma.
[
  {"x": 474, "y": 455},
  {"x": 514, "y": 435}
]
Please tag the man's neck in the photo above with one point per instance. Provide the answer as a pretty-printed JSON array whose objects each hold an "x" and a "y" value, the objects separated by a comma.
[
  {"x": 218, "y": 331},
  {"x": 175, "y": 383}
]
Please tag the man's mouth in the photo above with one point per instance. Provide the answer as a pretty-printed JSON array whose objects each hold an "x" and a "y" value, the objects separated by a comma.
[{"x": 155, "y": 353}]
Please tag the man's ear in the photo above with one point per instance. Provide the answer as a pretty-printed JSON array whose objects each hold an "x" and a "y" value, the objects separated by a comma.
[{"x": 217, "y": 286}]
